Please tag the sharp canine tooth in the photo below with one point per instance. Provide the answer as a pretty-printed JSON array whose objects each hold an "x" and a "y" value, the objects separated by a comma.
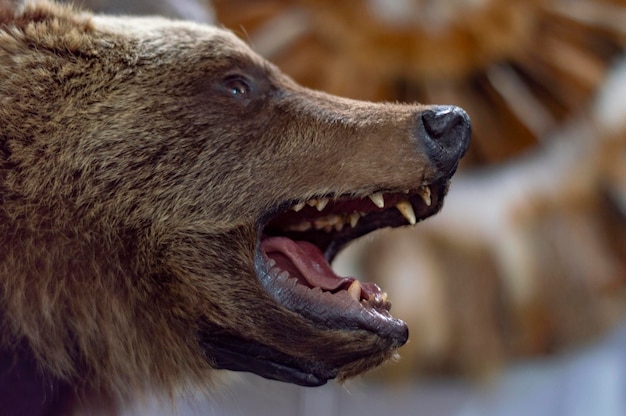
[
  {"x": 298, "y": 206},
  {"x": 425, "y": 194},
  {"x": 354, "y": 219},
  {"x": 312, "y": 202},
  {"x": 378, "y": 199},
  {"x": 355, "y": 290},
  {"x": 406, "y": 210},
  {"x": 321, "y": 203}
]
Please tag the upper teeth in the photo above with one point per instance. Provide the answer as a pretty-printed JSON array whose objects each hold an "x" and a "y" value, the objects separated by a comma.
[
  {"x": 320, "y": 204},
  {"x": 407, "y": 210},
  {"x": 378, "y": 199},
  {"x": 337, "y": 222},
  {"x": 299, "y": 206},
  {"x": 425, "y": 194}
]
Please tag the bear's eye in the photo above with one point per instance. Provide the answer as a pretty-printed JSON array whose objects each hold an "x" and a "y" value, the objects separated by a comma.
[{"x": 238, "y": 86}]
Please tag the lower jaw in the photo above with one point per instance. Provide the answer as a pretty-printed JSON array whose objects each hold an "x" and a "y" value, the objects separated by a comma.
[{"x": 330, "y": 310}]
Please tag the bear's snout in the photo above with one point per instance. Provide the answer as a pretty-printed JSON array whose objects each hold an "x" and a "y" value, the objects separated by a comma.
[{"x": 445, "y": 131}]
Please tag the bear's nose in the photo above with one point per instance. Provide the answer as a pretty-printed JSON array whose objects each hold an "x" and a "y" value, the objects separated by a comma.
[{"x": 446, "y": 134}]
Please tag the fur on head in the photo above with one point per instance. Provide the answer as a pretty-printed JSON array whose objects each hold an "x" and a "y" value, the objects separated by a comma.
[{"x": 153, "y": 175}]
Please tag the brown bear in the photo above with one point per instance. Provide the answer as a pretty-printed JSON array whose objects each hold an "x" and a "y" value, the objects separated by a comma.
[{"x": 170, "y": 203}]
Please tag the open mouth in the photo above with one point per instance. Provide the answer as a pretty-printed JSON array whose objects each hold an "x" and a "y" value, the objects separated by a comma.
[{"x": 300, "y": 239}]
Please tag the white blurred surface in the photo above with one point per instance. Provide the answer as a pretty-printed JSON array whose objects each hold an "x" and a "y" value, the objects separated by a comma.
[{"x": 589, "y": 382}]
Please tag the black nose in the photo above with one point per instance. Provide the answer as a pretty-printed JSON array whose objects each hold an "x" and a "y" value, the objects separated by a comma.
[{"x": 446, "y": 134}]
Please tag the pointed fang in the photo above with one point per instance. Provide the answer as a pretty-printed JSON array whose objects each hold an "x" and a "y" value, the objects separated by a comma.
[
  {"x": 298, "y": 207},
  {"x": 378, "y": 199},
  {"x": 321, "y": 203},
  {"x": 406, "y": 210}
]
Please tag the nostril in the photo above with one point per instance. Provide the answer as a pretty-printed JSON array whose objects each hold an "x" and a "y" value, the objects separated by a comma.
[
  {"x": 444, "y": 123},
  {"x": 447, "y": 128},
  {"x": 445, "y": 133}
]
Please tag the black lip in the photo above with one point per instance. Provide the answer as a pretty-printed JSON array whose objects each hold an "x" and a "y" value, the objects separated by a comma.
[
  {"x": 233, "y": 353},
  {"x": 336, "y": 311}
]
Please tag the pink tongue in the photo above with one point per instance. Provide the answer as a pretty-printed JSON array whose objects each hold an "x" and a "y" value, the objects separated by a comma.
[{"x": 304, "y": 261}]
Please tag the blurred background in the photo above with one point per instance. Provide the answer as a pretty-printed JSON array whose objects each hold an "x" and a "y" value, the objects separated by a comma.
[{"x": 515, "y": 294}]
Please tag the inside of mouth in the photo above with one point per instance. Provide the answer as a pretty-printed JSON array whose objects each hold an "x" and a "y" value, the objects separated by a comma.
[
  {"x": 303, "y": 261},
  {"x": 306, "y": 262},
  {"x": 301, "y": 242}
]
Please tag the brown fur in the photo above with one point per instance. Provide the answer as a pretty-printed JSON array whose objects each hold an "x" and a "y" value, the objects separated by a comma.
[{"x": 131, "y": 184}]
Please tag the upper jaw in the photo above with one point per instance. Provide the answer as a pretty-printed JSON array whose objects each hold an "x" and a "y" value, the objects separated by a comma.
[{"x": 331, "y": 222}]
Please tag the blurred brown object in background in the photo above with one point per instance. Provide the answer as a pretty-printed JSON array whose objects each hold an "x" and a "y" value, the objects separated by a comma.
[
  {"x": 200, "y": 11},
  {"x": 519, "y": 67}
]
